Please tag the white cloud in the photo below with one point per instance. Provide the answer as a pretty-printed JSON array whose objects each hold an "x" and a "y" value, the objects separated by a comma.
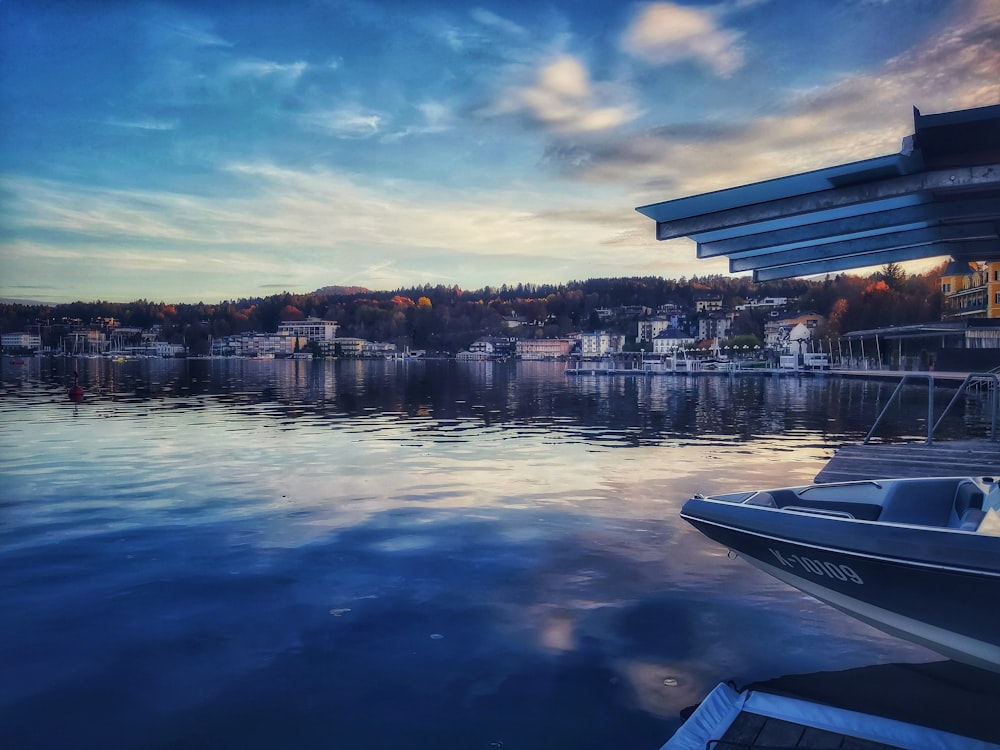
[
  {"x": 857, "y": 116},
  {"x": 563, "y": 98},
  {"x": 665, "y": 33},
  {"x": 265, "y": 68},
  {"x": 143, "y": 124},
  {"x": 492, "y": 20},
  {"x": 344, "y": 123}
]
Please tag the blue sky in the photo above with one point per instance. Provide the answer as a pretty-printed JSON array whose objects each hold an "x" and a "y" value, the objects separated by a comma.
[{"x": 186, "y": 151}]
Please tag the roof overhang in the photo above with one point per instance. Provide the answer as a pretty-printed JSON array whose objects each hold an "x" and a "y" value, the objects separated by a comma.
[
  {"x": 918, "y": 331},
  {"x": 939, "y": 196}
]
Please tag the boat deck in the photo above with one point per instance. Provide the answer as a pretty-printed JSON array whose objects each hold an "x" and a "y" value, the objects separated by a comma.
[
  {"x": 911, "y": 460},
  {"x": 750, "y": 731}
]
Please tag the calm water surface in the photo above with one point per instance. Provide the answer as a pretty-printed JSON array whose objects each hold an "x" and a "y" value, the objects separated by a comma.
[{"x": 242, "y": 554}]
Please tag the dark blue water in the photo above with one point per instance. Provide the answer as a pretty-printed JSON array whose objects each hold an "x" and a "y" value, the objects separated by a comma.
[{"x": 242, "y": 554}]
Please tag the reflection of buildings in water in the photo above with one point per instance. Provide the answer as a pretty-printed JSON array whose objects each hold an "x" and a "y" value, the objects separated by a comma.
[{"x": 628, "y": 409}]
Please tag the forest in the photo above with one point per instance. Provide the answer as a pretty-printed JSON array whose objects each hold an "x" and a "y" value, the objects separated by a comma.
[{"x": 447, "y": 318}]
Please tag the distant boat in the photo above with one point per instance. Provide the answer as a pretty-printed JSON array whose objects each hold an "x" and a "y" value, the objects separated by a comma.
[{"x": 917, "y": 558}]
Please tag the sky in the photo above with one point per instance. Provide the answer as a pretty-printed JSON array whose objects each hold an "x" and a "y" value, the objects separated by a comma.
[{"x": 204, "y": 151}]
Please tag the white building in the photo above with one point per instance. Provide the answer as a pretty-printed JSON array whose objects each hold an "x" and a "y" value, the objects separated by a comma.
[
  {"x": 21, "y": 341},
  {"x": 311, "y": 329},
  {"x": 765, "y": 302},
  {"x": 647, "y": 330},
  {"x": 601, "y": 343},
  {"x": 163, "y": 349},
  {"x": 257, "y": 345},
  {"x": 672, "y": 339},
  {"x": 377, "y": 349},
  {"x": 777, "y": 332}
]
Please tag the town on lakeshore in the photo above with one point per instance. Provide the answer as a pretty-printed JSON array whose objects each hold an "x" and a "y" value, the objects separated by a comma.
[{"x": 947, "y": 317}]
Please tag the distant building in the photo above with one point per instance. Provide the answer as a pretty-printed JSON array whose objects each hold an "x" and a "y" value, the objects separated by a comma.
[
  {"x": 971, "y": 290},
  {"x": 764, "y": 302},
  {"x": 257, "y": 345},
  {"x": 670, "y": 340},
  {"x": 311, "y": 329},
  {"x": 647, "y": 330},
  {"x": 348, "y": 346},
  {"x": 378, "y": 349},
  {"x": 716, "y": 325},
  {"x": 493, "y": 347},
  {"x": 20, "y": 342},
  {"x": 707, "y": 301},
  {"x": 544, "y": 348},
  {"x": 778, "y": 331},
  {"x": 601, "y": 343},
  {"x": 164, "y": 349}
]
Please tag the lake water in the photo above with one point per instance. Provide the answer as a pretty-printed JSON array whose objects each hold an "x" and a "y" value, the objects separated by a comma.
[{"x": 420, "y": 554}]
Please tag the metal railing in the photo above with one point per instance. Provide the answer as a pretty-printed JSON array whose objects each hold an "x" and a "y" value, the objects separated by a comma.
[{"x": 978, "y": 379}]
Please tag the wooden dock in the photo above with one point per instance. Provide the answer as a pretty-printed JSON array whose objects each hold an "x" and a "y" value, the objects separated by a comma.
[
  {"x": 750, "y": 731},
  {"x": 974, "y": 458}
]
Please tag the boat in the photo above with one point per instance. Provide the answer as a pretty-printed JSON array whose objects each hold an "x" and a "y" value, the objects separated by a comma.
[
  {"x": 938, "y": 705},
  {"x": 916, "y": 558}
]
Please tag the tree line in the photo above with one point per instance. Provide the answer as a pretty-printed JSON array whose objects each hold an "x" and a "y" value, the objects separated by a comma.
[{"x": 448, "y": 318}]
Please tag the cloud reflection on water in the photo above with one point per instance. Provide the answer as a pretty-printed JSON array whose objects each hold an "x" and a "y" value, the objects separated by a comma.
[{"x": 528, "y": 522}]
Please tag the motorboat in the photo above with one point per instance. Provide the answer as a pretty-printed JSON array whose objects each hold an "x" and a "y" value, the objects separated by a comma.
[{"x": 917, "y": 558}]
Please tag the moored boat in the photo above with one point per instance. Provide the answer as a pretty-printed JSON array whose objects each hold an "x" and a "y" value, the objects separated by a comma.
[{"x": 917, "y": 558}]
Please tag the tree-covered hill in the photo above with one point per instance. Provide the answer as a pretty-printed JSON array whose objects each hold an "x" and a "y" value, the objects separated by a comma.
[{"x": 448, "y": 318}]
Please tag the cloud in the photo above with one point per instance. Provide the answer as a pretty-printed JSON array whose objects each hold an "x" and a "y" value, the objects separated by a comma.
[
  {"x": 343, "y": 123},
  {"x": 562, "y": 98},
  {"x": 490, "y": 19},
  {"x": 267, "y": 68},
  {"x": 435, "y": 117},
  {"x": 854, "y": 117},
  {"x": 666, "y": 33},
  {"x": 191, "y": 33},
  {"x": 143, "y": 124}
]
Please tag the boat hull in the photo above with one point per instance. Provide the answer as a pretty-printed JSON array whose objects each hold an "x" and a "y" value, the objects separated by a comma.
[{"x": 934, "y": 586}]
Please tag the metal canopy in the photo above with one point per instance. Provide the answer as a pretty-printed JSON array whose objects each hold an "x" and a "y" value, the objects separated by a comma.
[{"x": 939, "y": 196}]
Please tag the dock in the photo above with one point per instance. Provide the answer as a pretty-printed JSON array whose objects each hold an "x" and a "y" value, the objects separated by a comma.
[
  {"x": 974, "y": 458},
  {"x": 750, "y": 731}
]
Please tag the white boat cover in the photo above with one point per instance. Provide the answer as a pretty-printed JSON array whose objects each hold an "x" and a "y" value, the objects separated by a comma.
[{"x": 723, "y": 705}]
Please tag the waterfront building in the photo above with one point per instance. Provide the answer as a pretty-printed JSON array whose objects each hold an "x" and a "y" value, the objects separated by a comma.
[
  {"x": 601, "y": 343},
  {"x": 544, "y": 348},
  {"x": 971, "y": 290},
  {"x": 311, "y": 329},
  {"x": 493, "y": 347},
  {"x": 670, "y": 340},
  {"x": 377, "y": 349},
  {"x": 348, "y": 346},
  {"x": 21, "y": 342},
  {"x": 257, "y": 345},
  {"x": 647, "y": 330},
  {"x": 716, "y": 325},
  {"x": 777, "y": 331},
  {"x": 165, "y": 349}
]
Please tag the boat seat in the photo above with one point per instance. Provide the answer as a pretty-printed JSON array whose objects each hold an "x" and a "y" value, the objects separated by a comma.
[
  {"x": 763, "y": 499},
  {"x": 971, "y": 519},
  {"x": 928, "y": 502},
  {"x": 786, "y": 498},
  {"x": 968, "y": 507}
]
